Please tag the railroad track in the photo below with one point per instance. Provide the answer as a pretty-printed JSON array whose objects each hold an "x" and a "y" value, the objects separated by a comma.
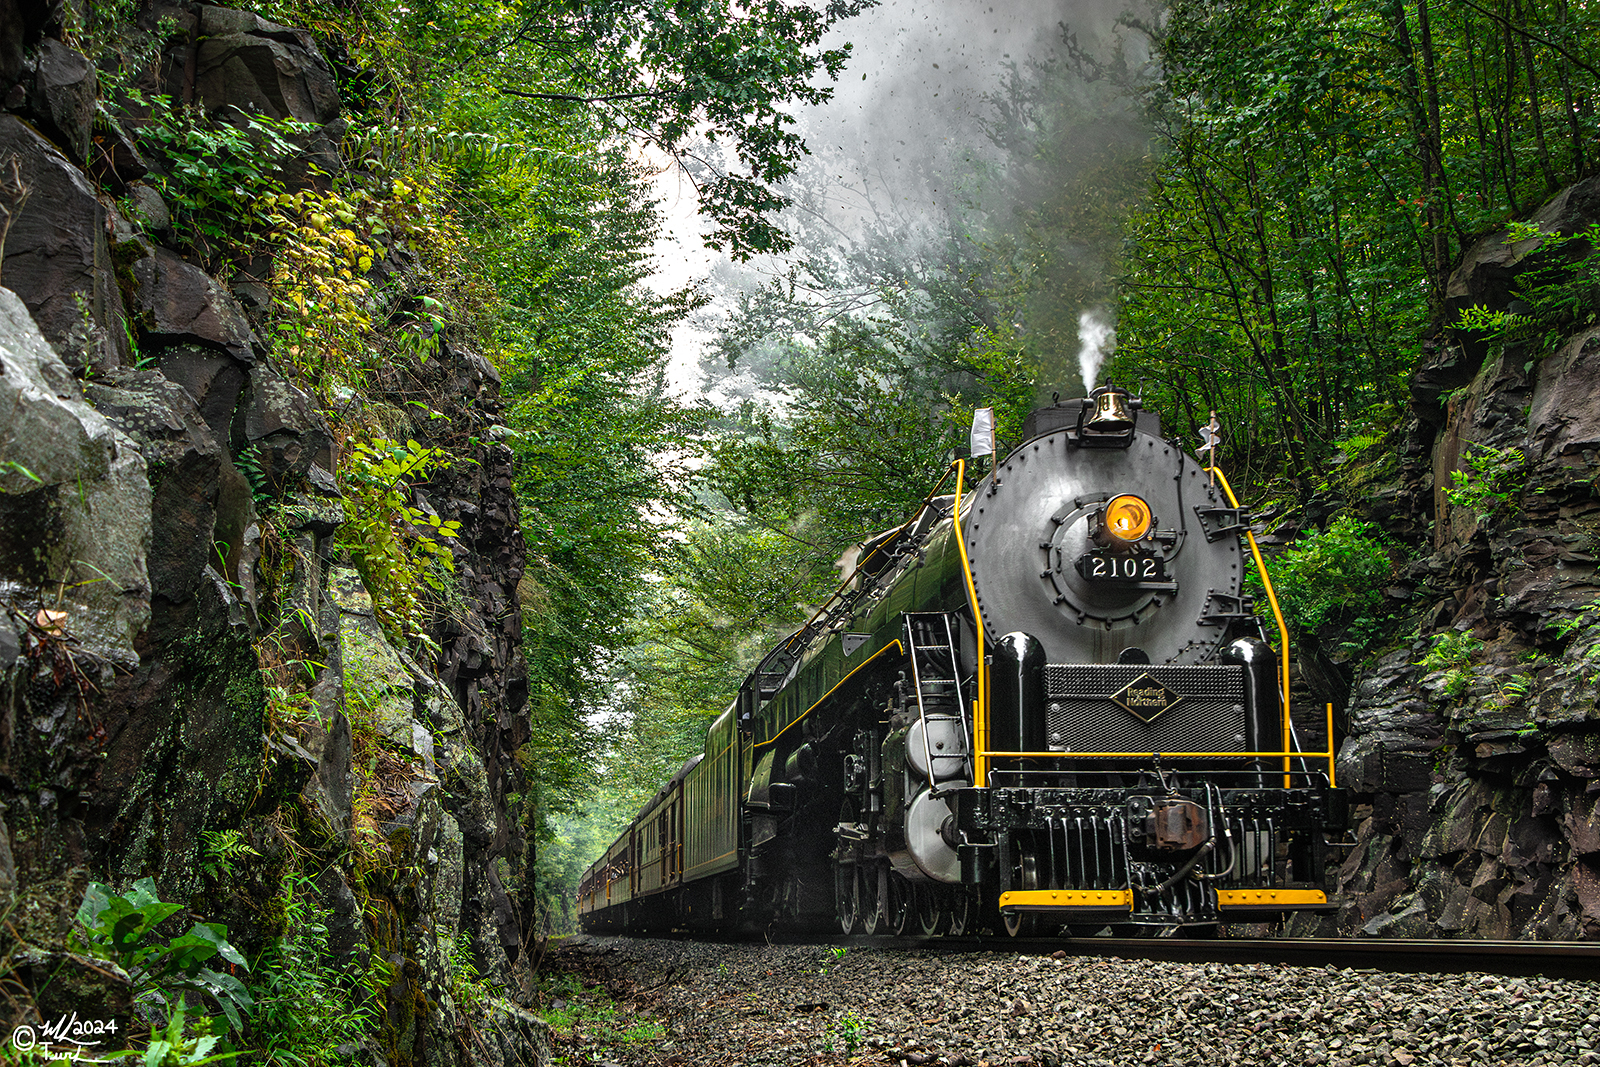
[{"x": 1557, "y": 959}]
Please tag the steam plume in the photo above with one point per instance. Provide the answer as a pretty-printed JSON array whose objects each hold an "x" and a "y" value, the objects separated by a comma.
[{"x": 1097, "y": 339}]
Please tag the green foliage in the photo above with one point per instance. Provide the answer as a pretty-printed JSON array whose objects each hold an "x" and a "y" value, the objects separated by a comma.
[
  {"x": 880, "y": 356},
  {"x": 1499, "y": 325},
  {"x": 575, "y": 1011},
  {"x": 248, "y": 460},
  {"x": 470, "y": 990},
  {"x": 676, "y": 73},
  {"x": 322, "y": 326},
  {"x": 181, "y": 1043},
  {"x": 217, "y": 174},
  {"x": 326, "y": 245},
  {"x": 599, "y": 447},
  {"x": 396, "y": 547},
  {"x": 1586, "y": 617},
  {"x": 1357, "y": 445},
  {"x": 679, "y": 69},
  {"x": 222, "y": 850},
  {"x": 1559, "y": 284},
  {"x": 305, "y": 1009},
  {"x": 122, "y": 929},
  {"x": 1321, "y": 169},
  {"x": 1491, "y": 486},
  {"x": 1452, "y": 653},
  {"x": 1515, "y": 689},
  {"x": 17, "y": 468},
  {"x": 850, "y": 1033},
  {"x": 1330, "y": 582}
]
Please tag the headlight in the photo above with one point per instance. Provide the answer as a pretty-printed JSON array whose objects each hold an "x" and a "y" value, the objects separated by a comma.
[{"x": 1127, "y": 518}]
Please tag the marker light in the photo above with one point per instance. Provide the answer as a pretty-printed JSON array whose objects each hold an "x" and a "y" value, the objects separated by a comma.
[{"x": 1127, "y": 518}]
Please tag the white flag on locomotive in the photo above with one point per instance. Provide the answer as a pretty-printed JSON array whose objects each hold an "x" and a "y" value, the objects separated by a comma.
[{"x": 982, "y": 437}]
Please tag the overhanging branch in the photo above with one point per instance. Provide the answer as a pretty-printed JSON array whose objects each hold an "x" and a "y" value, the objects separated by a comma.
[{"x": 573, "y": 98}]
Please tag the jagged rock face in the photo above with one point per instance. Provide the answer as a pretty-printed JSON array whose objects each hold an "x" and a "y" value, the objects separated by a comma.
[
  {"x": 169, "y": 556},
  {"x": 1475, "y": 748},
  {"x": 65, "y": 84},
  {"x": 56, "y": 256},
  {"x": 259, "y": 67},
  {"x": 74, "y": 496}
]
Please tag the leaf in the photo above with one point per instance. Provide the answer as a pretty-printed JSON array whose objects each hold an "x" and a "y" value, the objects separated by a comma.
[
  {"x": 186, "y": 953},
  {"x": 217, "y": 935},
  {"x": 96, "y": 899}
]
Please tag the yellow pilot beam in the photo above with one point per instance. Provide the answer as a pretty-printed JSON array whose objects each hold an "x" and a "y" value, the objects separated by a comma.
[
  {"x": 1097, "y": 899},
  {"x": 1271, "y": 898}
]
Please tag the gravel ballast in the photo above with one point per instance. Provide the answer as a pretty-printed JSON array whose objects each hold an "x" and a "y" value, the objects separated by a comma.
[{"x": 752, "y": 1005}]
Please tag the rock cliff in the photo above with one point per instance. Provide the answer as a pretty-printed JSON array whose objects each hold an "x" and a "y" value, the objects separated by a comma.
[
  {"x": 1473, "y": 742},
  {"x": 195, "y": 684}
]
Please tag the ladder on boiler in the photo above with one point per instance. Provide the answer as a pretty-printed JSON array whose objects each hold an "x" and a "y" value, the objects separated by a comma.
[{"x": 936, "y": 679}]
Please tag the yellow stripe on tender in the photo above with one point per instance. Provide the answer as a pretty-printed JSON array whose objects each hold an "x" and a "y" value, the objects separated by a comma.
[
  {"x": 1271, "y": 898},
  {"x": 892, "y": 646},
  {"x": 1068, "y": 898},
  {"x": 709, "y": 862}
]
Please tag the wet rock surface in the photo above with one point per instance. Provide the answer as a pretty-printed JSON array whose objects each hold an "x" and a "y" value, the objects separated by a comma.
[
  {"x": 1472, "y": 742},
  {"x": 56, "y": 254},
  {"x": 731, "y": 1004},
  {"x": 186, "y": 648}
]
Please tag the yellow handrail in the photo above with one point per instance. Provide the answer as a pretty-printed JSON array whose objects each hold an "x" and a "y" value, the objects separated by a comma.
[
  {"x": 1286, "y": 755},
  {"x": 1277, "y": 613},
  {"x": 1333, "y": 778},
  {"x": 980, "y": 699},
  {"x": 1162, "y": 755}
]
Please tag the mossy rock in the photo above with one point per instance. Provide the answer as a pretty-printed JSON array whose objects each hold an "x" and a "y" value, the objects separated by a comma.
[{"x": 65, "y": 984}]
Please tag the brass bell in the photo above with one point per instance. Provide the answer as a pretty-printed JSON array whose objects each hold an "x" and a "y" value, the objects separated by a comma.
[{"x": 1112, "y": 413}]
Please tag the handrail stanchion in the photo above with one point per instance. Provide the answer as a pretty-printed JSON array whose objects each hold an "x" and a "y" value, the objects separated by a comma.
[{"x": 1277, "y": 613}]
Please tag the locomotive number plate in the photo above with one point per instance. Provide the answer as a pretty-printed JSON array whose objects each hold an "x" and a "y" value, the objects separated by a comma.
[{"x": 1117, "y": 567}]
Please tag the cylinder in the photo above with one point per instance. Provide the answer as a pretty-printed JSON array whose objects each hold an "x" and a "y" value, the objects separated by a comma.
[{"x": 1016, "y": 695}]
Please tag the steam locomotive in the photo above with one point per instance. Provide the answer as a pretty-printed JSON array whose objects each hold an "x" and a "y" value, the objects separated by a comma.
[{"x": 1043, "y": 703}]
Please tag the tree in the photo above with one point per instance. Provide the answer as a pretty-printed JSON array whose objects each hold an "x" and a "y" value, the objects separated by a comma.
[
  {"x": 1321, "y": 169},
  {"x": 710, "y": 83}
]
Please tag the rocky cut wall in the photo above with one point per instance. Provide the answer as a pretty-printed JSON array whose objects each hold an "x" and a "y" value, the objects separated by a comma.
[
  {"x": 1474, "y": 744},
  {"x": 186, "y": 657}
]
